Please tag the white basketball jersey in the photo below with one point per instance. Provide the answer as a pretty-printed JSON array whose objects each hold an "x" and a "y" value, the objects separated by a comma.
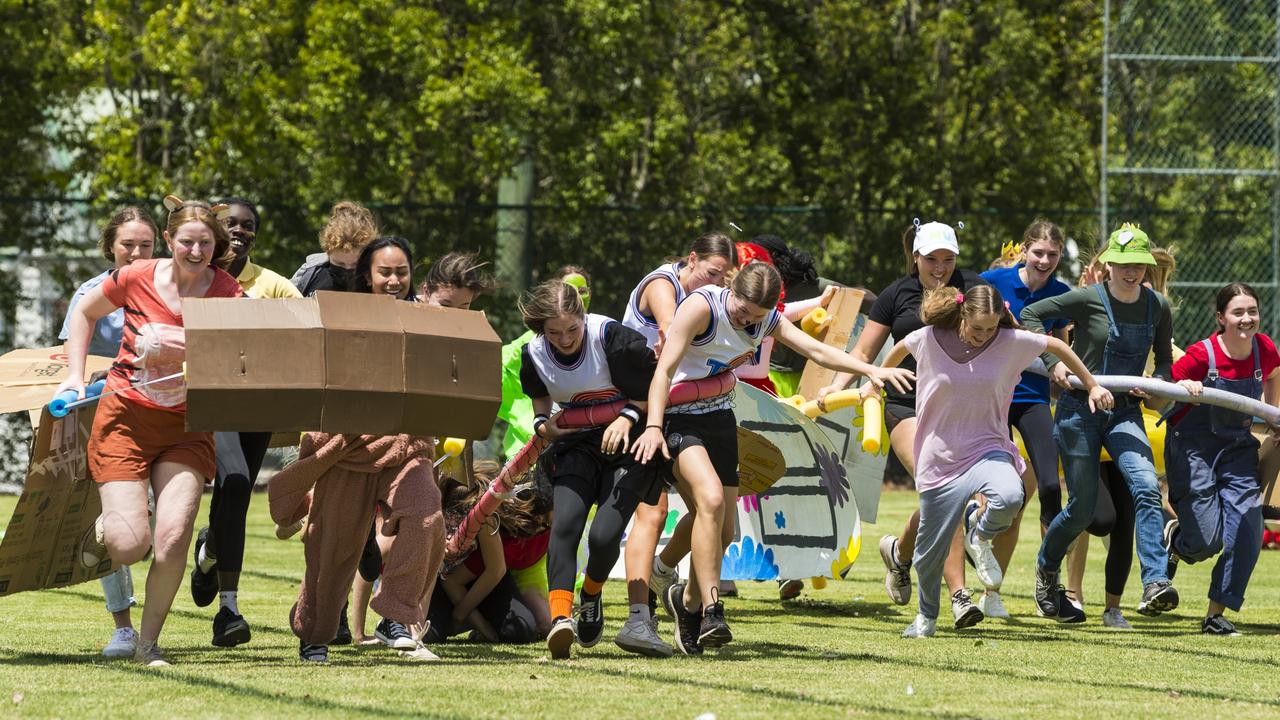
[
  {"x": 722, "y": 347},
  {"x": 587, "y": 381},
  {"x": 638, "y": 321}
]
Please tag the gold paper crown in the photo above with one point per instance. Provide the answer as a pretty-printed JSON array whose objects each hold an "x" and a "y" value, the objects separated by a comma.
[{"x": 1010, "y": 251}]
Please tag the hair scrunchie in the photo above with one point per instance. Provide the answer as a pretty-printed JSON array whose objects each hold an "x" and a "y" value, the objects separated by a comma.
[{"x": 959, "y": 298}]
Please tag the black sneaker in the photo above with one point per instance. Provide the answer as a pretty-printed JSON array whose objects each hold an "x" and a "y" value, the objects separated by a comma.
[
  {"x": 394, "y": 635},
  {"x": 371, "y": 559},
  {"x": 313, "y": 653},
  {"x": 687, "y": 623},
  {"x": 713, "y": 631},
  {"x": 343, "y": 636},
  {"x": 204, "y": 585},
  {"x": 653, "y": 611},
  {"x": 229, "y": 629},
  {"x": 1068, "y": 612},
  {"x": 1049, "y": 593},
  {"x": 1218, "y": 625},
  {"x": 590, "y": 621},
  {"x": 1158, "y": 597}
]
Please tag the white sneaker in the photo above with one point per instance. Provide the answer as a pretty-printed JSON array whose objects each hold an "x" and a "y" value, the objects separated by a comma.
[
  {"x": 559, "y": 641},
  {"x": 897, "y": 578},
  {"x": 921, "y": 627},
  {"x": 660, "y": 581},
  {"x": 981, "y": 554},
  {"x": 639, "y": 637},
  {"x": 992, "y": 606},
  {"x": 149, "y": 655},
  {"x": 420, "y": 653},
  {"x": 966, "y": 613},
  {"x": 1112, "y": 618},
  {"x": 123, "y": 643}
]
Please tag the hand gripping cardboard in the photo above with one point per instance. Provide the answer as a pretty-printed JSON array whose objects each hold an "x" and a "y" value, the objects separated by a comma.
[{"x": 340, "y": 362}]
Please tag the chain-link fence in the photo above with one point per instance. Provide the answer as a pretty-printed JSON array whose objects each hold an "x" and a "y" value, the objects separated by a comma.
[{"x": 1191, "y": 148}]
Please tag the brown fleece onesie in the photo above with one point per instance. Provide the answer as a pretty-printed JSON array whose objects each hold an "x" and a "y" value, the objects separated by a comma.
[{"x": 350, "y": 473}]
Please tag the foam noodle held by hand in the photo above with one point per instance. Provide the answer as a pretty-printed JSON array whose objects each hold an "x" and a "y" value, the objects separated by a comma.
[
  {"x": 872, "y": 424},
  {"x": 833, "y": 402},
  {"x": 815, "y": 321}
]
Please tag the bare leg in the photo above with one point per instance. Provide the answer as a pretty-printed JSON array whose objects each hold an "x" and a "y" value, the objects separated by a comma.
[
  {"x": 700, "y": 487},
  {"x": 642, "y": 544},
  {"x": 1075, "y": 569},
  {"x": 177, "y": 488}
]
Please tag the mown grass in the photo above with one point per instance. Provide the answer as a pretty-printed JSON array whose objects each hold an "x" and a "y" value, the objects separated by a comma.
[{"x": 833, "y": 652}]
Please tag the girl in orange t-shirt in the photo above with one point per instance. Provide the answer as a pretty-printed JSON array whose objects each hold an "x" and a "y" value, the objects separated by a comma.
[{"x": 139, "y": 440}]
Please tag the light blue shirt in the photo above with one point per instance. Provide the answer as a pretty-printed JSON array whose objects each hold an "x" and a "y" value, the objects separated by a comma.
[{"x": 107, "y": 333}]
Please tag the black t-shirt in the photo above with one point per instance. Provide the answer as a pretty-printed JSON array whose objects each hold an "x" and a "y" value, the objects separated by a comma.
[
  {"x": 898, "y": 307},
  {"x": 631, "y": 363}
]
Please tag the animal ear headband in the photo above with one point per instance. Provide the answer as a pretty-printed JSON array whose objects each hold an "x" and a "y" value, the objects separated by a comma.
[{"x": 173, "y": 203}]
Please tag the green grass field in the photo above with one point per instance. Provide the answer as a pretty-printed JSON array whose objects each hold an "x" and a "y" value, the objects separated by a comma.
[{"x": 833, "y": 652}]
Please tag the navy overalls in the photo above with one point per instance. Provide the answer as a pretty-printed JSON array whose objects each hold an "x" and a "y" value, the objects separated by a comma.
[
  {"x": 1211, "y": 459},
  {"x": 1081, "y": 436}
]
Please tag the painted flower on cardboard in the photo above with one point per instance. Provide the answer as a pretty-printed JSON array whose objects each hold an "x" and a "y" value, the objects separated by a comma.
[
  {"x": 833, "y": 476},
  {"x": 748, "y": 560}
]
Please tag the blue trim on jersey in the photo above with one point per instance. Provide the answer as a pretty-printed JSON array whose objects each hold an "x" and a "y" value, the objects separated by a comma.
[{"x": 709, "y": 334}]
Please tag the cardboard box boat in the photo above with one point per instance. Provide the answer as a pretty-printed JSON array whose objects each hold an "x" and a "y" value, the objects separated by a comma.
[{"x": 340, "y": 362}]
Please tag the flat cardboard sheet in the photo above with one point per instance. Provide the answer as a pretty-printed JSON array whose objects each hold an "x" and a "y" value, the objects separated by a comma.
[
  {"x": 59, "y": 503},
  {"x": 844, "y": 313},
  {"x": 29, "y": 376}
]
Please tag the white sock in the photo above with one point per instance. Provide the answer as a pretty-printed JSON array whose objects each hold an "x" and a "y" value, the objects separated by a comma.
[
  {"x": 640, "y": 611},
  {"x": 661, "y": 567},
  {"x": 228, "y": 600},
  {"x": 206, "y": 562}
]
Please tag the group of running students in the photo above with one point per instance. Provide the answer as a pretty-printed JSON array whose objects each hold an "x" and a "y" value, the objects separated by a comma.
[{"x": 381, "y": 508}]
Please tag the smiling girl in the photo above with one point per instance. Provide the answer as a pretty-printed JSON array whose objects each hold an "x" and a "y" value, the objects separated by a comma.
[
  {"x": 1117, "y": 324},
  {"x": 384, "y": 267},
  {"x": 1031, "y": 279},
  {"x": 968, "y": 359},
  {"x": 139, "y": 441},
  {"x": 714, "y": 330},
  {"x": 1212, "y": 458},
  {"x": 130, "y": 235},
  {"x": 931, "y": 252}
]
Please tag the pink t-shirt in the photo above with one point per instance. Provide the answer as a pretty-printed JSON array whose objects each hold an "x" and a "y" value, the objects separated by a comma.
[{"x": 962, "y": 409}]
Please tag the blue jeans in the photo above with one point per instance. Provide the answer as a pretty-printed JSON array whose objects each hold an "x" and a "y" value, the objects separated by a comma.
[{"x": 1081, "y": 436}]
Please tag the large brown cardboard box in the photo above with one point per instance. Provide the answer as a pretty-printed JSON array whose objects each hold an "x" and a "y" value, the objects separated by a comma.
[{"x": 340, "y": 362}]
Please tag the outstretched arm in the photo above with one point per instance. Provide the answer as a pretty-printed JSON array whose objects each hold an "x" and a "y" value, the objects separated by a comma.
[{"x": 829, "y": 357}]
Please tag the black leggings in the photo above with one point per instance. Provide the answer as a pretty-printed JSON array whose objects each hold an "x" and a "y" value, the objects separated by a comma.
[
  {"x": 573, "y": 497},
  {"x": 1113, "y": 515},
  {"x": 503, "y": 609},
  {"x": 1034, "y": 422},
  {"x": 239, "y": 458}
]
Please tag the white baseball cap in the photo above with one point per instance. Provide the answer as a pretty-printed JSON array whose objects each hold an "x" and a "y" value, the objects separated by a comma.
[{"x": 935, "y": 236}]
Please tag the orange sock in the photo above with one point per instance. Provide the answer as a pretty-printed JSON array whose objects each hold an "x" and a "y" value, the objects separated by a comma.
[
  {"x": 561, "y": 602},
  {"x": 591, "y": 587}
]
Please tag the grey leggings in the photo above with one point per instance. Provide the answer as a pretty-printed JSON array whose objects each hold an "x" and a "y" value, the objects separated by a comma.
[{"x": 941, "y": 509}]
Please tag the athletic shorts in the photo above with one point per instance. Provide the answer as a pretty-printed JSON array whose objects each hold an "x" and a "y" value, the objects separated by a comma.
[
  {"x": 533, "y": 577},
  {"x": 717, "y": 431},
  {"x": 895, "y": 413},
  {"x": 128, "y": 439}
]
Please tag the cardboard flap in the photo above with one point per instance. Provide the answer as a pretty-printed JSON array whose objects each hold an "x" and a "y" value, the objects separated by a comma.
[{"x": 421, "y": 319}]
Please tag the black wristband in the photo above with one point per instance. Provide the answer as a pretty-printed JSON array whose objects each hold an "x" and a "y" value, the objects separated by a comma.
[
  {"x": 646, "y": 427},
  {"x": 630, "y": 412},
  {"x": 538, "y": 421}
]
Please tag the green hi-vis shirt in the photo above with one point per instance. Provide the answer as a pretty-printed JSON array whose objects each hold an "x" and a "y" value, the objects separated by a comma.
[{"x": 1083, "y": 307}]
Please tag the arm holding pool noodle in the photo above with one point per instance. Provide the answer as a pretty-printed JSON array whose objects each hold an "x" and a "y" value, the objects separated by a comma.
[
  {"x": 580, "y": 417},
  {"x": 68, "y": 400},
  {"x": 1174, "y": 392}
]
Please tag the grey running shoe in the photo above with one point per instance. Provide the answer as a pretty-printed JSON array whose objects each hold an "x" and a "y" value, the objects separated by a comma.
[
  {"x": 713, "y": 631},
  {"x": 897, "y": 577},
  {"x": 313, "y": 653},
  {"x": 966, "y": 613},
  {"x": 639, "y": 637}
]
